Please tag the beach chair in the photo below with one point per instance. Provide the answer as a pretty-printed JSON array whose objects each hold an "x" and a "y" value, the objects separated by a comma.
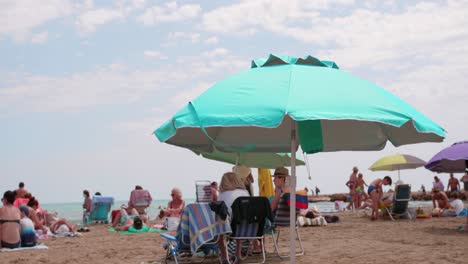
[
  {"x": 282, "y": 222},
  {"x": 100, "y": 208},
  {"x": 203, "y": 191},
  {"x": 248, "y": 222},
  {"x": 198, "y": 232},
  {"x": 400, "y": 202}
]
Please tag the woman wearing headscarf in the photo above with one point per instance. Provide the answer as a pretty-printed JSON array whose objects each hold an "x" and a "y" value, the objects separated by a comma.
[
  {"x": 230, "y": 188},
  {"x": 245, "y": 175}
]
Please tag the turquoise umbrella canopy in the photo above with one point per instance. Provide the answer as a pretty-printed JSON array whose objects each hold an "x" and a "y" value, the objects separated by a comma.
[
  {"x": 333, "y": 110},
  {"x": 283, "y": 102}
]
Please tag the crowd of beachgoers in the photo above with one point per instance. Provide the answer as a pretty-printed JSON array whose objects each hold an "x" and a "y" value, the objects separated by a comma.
[{"x": 23, "y": 222}]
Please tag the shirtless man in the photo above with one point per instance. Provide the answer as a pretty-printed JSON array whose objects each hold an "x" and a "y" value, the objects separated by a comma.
[
  {"x": 453, "y": 184},
  {"x": 441, "y": 198},
  {"x": 464, "y": 179},
  {"x": 352, "y": 184},
  {"x": 21, "y": 191},
  {"x": 376, "y": 193}
]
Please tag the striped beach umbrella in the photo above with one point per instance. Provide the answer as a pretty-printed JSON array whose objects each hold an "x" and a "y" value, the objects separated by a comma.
[{"x": 397, "y": 162}]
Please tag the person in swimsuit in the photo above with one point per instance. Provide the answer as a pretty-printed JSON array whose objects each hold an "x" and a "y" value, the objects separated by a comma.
[
  {"x": 175, "y": 207},
  {"x": 376, "y": 193},
  {"x": 453, "y": 184},
  {"x": 441, "y": 198},
  {"x": 28, "y": 236},
  {"x": 361, "y": 195},
  {"x": 352, "y": 185},
  {"x": 464, "y": 179},
  {"x": 132, "y": 222},
  {"x": 9, "y": 222}
]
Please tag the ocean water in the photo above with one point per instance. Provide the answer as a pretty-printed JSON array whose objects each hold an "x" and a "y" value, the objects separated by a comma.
[{"x": 73, "y": 211}]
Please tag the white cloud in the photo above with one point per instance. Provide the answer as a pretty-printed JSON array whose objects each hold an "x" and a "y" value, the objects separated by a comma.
[
  {"x": 177, "y": 36},
  {"x": 40, "y": 38},
  {"x": 88, "y": 21},
  {"x": 169, "y": 12},
  {"x": 211, "y": 40},
  {"x": 154, "y": 54},
  {"x": 19, "y": 18}
]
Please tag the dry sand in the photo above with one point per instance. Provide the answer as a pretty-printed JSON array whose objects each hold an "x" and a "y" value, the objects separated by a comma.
[{"x": 355, "y": 239}]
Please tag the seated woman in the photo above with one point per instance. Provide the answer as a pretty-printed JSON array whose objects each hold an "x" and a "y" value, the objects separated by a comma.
[
  {"x": 87, "y": 202},
  {"x": 50, "y": 219},
  {"x": 131, "y": 223},
  {"x": 9, "y": 222},
  {"x": 231, "y": 187},
  {"x": 176, "y": 205}
]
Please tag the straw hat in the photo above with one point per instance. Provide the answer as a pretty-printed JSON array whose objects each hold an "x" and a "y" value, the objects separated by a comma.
[
  {"x": 242, "y": 171},
  {"x": 281, "y": 171}
]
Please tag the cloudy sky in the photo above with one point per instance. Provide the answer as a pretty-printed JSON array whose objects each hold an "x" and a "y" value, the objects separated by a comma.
[{"x": 84, "y": 83}]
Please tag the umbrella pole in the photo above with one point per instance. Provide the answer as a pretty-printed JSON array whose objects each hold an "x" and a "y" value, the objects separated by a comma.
[
  {"x": 398, "y": 174},
  {"x": 292, "y": 209}
]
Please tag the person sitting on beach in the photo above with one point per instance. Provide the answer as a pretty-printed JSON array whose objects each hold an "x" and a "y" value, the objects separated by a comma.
[
  {"x": 87, "y": 201},
  {"x": 440, "y": 199},
  {"x": 21, "y": 191},
  {"x": 456, "y": 206},
  {"x": 27, "y": 234},
  {"x": 214, "y": 191},
  {"x": 176, "y": 205},
  {"x": 139, "y": 199},
  {"x": 376, "y": 193},
  {"x": 231, "y": 187},
  {"x": 245, "y": 175},
  {"x": 9, "y": 222},
  {"x": 131, "y": 222},
  {"x": 36, "y": 217},
  {"x": 387, "y": 200},
  {"x": 160, "y": 219},
  {"x": 453, "y": 184}
]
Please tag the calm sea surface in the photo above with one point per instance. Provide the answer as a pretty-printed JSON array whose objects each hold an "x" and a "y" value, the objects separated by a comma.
[{"x": 74, "y": 211}]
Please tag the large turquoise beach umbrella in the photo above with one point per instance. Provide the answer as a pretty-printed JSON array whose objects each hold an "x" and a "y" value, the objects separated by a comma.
[{"x": 283, "y": 102}]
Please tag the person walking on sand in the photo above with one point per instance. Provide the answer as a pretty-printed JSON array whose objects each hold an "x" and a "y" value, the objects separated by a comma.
[
  {"x": 453, "y": 184},
  {"x": 317, "y": 191},
  {"x": 376, "y": 193},
  {"x": 437, "y": 184}
]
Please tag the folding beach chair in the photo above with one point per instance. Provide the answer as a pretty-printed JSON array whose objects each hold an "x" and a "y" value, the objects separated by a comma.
[
  {"x": 282, "y": 221},
  {"x": 400, "y": 201},
  {"x": 203, "y": 191},
  {"x": 100, "y": 208},
  {"x": 199, "y": 231},
  {"x": 248, "y": 222}
]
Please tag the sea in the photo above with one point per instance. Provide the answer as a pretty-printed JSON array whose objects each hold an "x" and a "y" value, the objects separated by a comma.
[{"x": 73, "y": 212}]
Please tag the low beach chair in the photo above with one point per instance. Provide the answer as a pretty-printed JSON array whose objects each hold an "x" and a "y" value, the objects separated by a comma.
[
  {"x": 199, "y": 231},
  {"x": 400, "y": 202},
  {"x": 248, "y": 222},
  {"x": 203, "y": 191},
  {"x": 282, "y": 222},
  {"x": 100, "y": 208}
]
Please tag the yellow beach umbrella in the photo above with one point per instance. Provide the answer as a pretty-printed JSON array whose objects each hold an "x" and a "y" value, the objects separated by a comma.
[
  {"x": 265, "y": 184},
  {"x": 397, "y": 162}
]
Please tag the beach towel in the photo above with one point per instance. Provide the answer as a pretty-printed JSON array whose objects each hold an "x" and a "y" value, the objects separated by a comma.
[
  {"x": 200, "y": 225},
  {"x": 151, "y": 230},
  {"x": 41, "y": 246}
]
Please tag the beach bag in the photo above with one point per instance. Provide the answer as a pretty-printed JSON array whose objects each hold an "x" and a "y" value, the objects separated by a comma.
[{"x": 171, "y": 223}]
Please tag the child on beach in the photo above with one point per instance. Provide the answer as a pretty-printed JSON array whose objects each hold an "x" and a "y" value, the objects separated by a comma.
[
  {"x": 28, "y": 236},
  {"x": 376, "y": 193}
]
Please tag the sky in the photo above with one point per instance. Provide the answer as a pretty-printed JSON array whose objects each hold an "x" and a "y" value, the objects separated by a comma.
[{"x": 83, "y": 84}]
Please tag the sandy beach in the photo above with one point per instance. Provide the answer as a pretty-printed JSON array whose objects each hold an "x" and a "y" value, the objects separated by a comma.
[{"x": 355, "y": 239}]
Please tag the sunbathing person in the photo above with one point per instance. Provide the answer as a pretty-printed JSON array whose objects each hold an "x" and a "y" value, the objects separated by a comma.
[
  {"x": 21, "y": 191},
  {"x": 49, "y": 219},
  {"x": 131, "y": 223},
  {"x": 38, "y": 220},
  {"x": 176, "y": 205},
  {"x": 9, "y": 222},
  {"x": 441, "y": 198},
  {"x": 87, "y": 201},
  {"x": 376, "y": 194},
  {"x": 125, "y": 214}
]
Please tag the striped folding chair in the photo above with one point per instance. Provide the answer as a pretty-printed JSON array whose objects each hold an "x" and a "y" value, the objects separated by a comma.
[
  {"x": 282, "y": 221},
  {"x": 248, "y": 221}
]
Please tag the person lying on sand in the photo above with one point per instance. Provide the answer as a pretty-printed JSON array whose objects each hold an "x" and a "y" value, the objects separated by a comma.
[
  {"x": 123, "y": 217},
  {"x": 376, "y": 194},
  {"x": 133, "y": 223}
]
